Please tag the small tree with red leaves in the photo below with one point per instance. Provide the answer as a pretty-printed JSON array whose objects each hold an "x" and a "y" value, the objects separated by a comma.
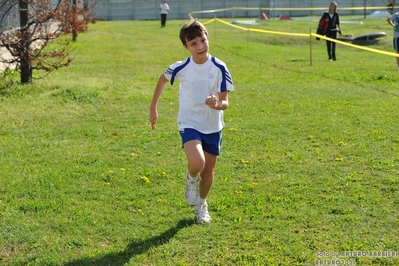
[
  {"x": 36, "y": 25},
  {"x": 81, "y": 17}
]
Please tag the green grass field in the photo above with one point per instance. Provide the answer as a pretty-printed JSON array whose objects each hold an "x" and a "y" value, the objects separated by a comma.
[{"x": 309, "y": 167}]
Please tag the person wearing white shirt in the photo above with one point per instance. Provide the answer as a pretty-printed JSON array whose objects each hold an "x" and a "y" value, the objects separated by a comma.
[
  {"x": 203, "y": 96},
  {"x": 164, "y": 8}
]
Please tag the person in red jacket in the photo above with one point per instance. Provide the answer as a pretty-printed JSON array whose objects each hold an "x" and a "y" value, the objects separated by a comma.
[
  {"x": 322, "y": 27},
  {"x": 331, "y": 18}
]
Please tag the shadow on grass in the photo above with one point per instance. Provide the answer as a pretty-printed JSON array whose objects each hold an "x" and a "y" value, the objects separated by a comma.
[{"x": 133, "y": 249}]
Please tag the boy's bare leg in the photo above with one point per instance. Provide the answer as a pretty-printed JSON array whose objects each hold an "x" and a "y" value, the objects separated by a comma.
[
  {"x": 207, "y": 174},
  {"x": 195, "y": 157},
  {"x": 200, "y": 162},
  {"x": 203, "y": 163}
]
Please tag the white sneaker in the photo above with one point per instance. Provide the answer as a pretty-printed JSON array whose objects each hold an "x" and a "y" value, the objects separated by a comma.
[
  {"x": 202, "y": 213},
  {"x": 191, "y": 193}
]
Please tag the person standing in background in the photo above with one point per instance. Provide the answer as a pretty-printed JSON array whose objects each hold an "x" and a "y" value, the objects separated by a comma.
[
  {"x": 390, "y": 7},
  {"x": 394, "y": 22},
  {"x": 332, "y": 18},
  {"x": 164, "y": 8}
]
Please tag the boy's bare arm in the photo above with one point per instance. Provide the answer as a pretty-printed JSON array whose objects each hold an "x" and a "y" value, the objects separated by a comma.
[
  {"x": 218, "y": 104},
  {"x": 390, "y": 22},
  {"x": 155, "y": 98}
]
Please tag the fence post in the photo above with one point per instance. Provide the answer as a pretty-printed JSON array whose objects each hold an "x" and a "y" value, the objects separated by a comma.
[
  {"x": 310, "y": 36},
  {"x": 247, "y": 38},
  {"x": 214, "y": 26}
]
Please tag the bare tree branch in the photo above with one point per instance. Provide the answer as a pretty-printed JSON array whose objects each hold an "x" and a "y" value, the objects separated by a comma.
[{"x": 25, "y": 43}]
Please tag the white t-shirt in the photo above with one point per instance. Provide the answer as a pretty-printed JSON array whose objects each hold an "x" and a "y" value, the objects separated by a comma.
[
  {"x": 164, "y": 8},
  {"x": 198, "y": 81},
  {"x": 395, "y": 19}
]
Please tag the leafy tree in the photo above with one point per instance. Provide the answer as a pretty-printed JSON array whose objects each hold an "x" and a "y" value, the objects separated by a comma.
[{"x": 40, "y": 23}]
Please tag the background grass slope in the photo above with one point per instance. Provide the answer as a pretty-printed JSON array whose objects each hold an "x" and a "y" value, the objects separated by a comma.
[{"x": 309, "y": 164}]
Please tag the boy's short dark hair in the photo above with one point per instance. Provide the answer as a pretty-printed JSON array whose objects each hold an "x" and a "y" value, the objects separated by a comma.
[{"x": 192, "y": 30}]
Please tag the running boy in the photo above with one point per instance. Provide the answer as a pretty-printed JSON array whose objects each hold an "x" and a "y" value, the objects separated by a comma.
[{"x": 204, "y": 84}]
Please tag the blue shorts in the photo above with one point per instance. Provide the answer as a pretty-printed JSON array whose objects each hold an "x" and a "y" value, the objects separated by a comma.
[{"x": 211, "y": 143}]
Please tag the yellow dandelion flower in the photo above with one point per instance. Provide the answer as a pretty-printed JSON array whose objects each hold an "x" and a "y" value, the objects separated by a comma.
[
  {"x": 110, "y": 171},
  {"x": 233, "y": 129},
  {"x": 244, "y": 161},
  {"x": 339, "y": 159},
  {"x": 133, "y": 154},
  {"x": 238, "y": 192},
  {"x": 145, "y": 179},
  {"x": 159, "y": 153},
  {"x": 342, "y": 143},
  {"x": 122, "y": 169},
  {"x": 163, "y": 173}
]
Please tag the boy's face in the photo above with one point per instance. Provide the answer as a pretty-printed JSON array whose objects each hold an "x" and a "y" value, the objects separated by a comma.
[{"x": 198, "y": 48}]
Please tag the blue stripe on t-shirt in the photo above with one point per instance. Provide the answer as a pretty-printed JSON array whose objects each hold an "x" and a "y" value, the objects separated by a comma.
[
  {"x": 225, "y": 75},
  {"x": 176, "y": 70}
]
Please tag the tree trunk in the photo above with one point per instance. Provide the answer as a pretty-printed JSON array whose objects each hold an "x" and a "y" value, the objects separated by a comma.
[
  {"x": 85, "y": 5},
  {"x": 75, "y": 21},
  {"x": 26, "y": 66}
]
